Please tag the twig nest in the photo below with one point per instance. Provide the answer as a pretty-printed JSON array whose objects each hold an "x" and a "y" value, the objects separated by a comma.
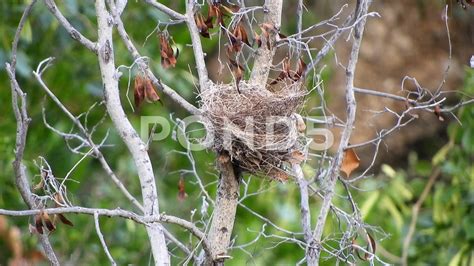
[{"x": 260, "y": 129}]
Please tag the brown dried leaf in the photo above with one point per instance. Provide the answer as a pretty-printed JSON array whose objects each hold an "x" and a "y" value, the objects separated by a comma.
[
  {"x": 267, "y": 28},
  {"x": 150, "y": 92},
  {"x": 202, "y": 25},
  {"x": 64, "y": 220},
  {"x": 371, "y": 245},
  {"x": 238, "y": 37},
  {"x": 300, "y": 71},
  {"x": 47, "y": 221},
  {"x": 139, "y": 90},
  {"x": 168, "y": 58},
  {"x": 58, "y": 199},
  {"x": 230, "y": 9},
  {"x": 238, "y": 72},
  {"x": 182, "y": 195},
  {"x": 39, "y": 224},
  {"x": 438, "y": 113},
  {"x": 350, "y": 162}
]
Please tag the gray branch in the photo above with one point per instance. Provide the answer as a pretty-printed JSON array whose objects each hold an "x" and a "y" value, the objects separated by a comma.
[
  {"x": 128, "y": 134},
  {"x": 362, "y": 7},
  {"x": 22, "y": 120},
  {"x": 75, "y": 34}
]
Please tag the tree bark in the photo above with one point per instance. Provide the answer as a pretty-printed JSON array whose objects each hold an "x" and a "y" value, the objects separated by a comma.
[
  {"x": 224, "y": 212},
  {"x": 264, "y": 57},
  {"x": 128, "y": 134}
]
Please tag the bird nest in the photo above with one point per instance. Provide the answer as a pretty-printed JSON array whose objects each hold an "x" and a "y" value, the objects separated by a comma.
[{"x": 260, "y": 129}]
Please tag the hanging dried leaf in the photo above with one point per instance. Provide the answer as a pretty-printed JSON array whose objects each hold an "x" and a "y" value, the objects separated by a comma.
[
  {"x": 282, "y": 36},
  {"x": 39, "y": 224},
  {"x": 168, "y": 57},
  {"x": 350, "y": 162},
  {"x": 144, "y": 90},
  {"x": 237, "y": 71},
  {"x": 151, "y": 95},
  {"x": 47, "y": 221},
  {"x": 139, "y": 90},
  {"x": 202, "y": 25},
  {"x": 300, "y": 71},
  {"x": 267, "y": 29},
  {"x": 238, "y": 37},
  {"x": 438, "y": 113},
  {"x": 230, "y": 9},
  {"x": 64, "y": 220},
  {"x": 59, "y": 200},
  {"x": 212, "y": 13},
  {"x": 182, "y": 195},
  {"x": 371, "y": 246}
]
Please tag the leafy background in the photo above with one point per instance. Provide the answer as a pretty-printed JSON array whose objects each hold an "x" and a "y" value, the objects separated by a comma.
[{"x": 445, "y": 228}]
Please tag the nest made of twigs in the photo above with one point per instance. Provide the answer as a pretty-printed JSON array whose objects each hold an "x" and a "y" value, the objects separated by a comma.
[{"x": 260, "y": 129}]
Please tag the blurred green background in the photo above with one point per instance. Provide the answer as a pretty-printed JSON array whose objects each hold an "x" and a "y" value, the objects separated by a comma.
[{"x": 445, "y": 229}]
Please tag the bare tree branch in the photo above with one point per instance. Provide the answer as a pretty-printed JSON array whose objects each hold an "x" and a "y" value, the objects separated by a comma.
[
  {"x": 168, "y": 11},
  {"x": 197, "y": 46},
  {"x": 264, "y": 56},
  {"x": 224, "y": 212},
  {"x": 98, "y": 154},
  {"x": 145, "y": 220},
  {"x": 75, "y": 34},
  {"x": 305, "y": 215},
  {"x": 362, "y": 8},
  {"x": 143, "y": 65},
  {"x": 128, "y": 134},
  {"x": 102, "y": 240},
  {"x": 22, "y": 119}
]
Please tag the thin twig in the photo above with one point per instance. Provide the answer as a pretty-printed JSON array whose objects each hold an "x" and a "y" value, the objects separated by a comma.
[
  {"x": 102, "y": 240},
  {"x": 144, "y": 66},
  {"x": 75, "y": 34},
  {"x": 168, "y": 11},
  {"x": 98, "y": 154}
]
